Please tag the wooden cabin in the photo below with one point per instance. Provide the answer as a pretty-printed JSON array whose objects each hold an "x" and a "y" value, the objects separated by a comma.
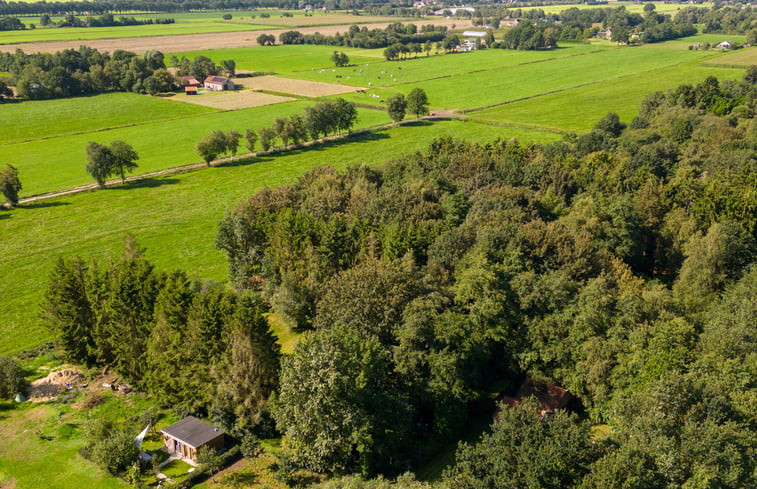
[{"x": 190, "y": 434}]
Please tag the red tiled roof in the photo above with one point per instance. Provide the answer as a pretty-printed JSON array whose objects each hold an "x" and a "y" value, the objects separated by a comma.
[{"x": 216, "y": 79}]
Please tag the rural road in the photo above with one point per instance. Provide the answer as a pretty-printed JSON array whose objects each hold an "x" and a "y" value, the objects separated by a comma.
[{"x": 192, "y": 42}]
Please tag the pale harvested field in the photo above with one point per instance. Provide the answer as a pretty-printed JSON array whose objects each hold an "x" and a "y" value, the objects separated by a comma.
[
  {"x": 742, "y": 57},
  {"x": 192, "y": 42},
  {"x": 240, "y": 99},
  {"x": 296, "y": 87}
]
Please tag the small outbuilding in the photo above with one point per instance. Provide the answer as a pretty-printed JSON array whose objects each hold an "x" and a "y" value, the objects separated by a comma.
[
  {"x": 190, "y": 90},
  {"x": 190, "y": 434},
  {"x": 549, "y": 397},
  {"x": 218, "y": 83}
]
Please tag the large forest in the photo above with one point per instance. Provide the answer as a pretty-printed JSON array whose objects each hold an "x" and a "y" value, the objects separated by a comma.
[{"x": 618, "y": 264}]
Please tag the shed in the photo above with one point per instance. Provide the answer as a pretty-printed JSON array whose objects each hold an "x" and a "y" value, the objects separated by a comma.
[
  {"x": 190, "y": 434},
  {"x": 190, "y": 90},
  {"x": 550, "y": 397},
  {"x": 218, "y": 83}
]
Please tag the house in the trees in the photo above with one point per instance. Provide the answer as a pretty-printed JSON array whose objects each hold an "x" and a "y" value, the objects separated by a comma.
[
  {"x": 549, "y": 397},
  {"x": 189, "y": 81},
  {"x": 190, "y": 434},
  {"x": 218, "y": 83}
]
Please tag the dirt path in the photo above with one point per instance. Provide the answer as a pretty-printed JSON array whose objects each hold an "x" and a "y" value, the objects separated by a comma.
[{"x": 192, "y": 42}]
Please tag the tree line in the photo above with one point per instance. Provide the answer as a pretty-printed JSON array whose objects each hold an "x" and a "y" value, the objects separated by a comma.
[
  {"x": 105, "y": 20},
  {"x": 619, "y": 264},
  {"x": 320, "y": 120},
  {"x": 86, "y": 70},
  {"x": 362, "y": 37}
]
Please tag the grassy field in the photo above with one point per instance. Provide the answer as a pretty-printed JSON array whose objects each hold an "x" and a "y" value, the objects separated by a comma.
[
  {"x": 87, "y": 33},
  {"x": 57, "y": 163},
  {"x": 175, "y": 218},
  {"x": 578, "y": 109},
  {"x": 280, "y": 58},
  {"x": 30, "y": 120},
  {"x": 441, "y": 67},
  {"x": 740, "y": 58}
]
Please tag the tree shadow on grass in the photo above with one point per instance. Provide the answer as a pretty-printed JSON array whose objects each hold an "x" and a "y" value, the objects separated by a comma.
[
  {"x": 319, "y": 146},
  {"x": 42, "y": 204},
  {"x": 421, "y": 123},
  {"x": 146, "y": 183}
]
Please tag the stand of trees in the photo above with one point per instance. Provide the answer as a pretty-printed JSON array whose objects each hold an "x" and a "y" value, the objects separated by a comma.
[
  {"x": 730, "y": 19},
  {"x": 194, "y": 346},
  {"x": 619, "y": 264},
  {"x": 104, "y": 162},
  {"x": 358, "y": 37},
  {"x": 74, "y": 72}
]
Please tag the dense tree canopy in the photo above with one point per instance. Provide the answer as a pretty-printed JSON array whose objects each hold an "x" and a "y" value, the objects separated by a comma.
[{"x": 618, "y": 264}]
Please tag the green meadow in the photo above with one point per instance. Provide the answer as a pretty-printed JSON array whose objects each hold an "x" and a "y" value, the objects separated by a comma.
[
  {"x": 438, "y": 67},
  {"x": 88, "y": 33},
  {"x": 280, "y": 59},
  {"x": 175, "y": 217},
  {"x": 58, "y": 162},
  {"x": 579, "y": 109},
  {"x": 30, "y": 119}
]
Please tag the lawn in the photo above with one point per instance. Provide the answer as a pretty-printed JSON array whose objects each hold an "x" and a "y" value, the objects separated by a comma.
[
  {"x": 578, "y": 109},
  {"x": 175, "y": 218},
  {"x": 176, "y": 470},
  {"x": 57, "y": 163},
  {"x": 32, "y": 119},
  {"x": 48, "y": 461}
]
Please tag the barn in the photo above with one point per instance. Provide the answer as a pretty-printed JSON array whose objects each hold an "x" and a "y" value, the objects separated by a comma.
[
  {"x": 218, "y": 83},
  {"x": 190, "y": 434}
]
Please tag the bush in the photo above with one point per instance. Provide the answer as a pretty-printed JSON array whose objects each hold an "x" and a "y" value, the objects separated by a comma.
[
  {"x": 226, "y": 16},
  {"x": 227, "y": 458}
]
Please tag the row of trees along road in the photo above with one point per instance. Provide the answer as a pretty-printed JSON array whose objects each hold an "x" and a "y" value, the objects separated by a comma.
[{"x": 319, "y": 120}]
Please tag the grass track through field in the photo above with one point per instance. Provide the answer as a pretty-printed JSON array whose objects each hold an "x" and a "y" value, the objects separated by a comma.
[{"x": 174, "y": 217}]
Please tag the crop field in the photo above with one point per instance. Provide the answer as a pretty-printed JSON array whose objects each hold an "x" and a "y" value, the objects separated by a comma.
[
  {"x": 304, "y": 88},
  {"x": 175, "y": 217},
  {"x": 240, "y": 99},
  {"x": 578, "y": 109},
  {"x": 58, "y": 163},
  {"x": 742, "y": 57}
]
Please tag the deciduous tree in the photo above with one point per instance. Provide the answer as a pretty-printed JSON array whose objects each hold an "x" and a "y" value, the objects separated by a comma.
[
  {"x": 10, "y": 185},
  {"x": 417, "y": 102}
]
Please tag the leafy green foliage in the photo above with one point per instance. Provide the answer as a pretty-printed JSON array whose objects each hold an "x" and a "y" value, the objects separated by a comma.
[
  {"x": 10, "y": 185},
  {"x": 11, "y": 378},
  {"x": 598, "y": 262},
  {"x": 527, "y": 450},
  {"x": 396, "y": 106}
]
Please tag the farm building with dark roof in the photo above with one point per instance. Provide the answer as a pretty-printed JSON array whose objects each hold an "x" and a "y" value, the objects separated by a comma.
[{"x": 190, "y": 434}]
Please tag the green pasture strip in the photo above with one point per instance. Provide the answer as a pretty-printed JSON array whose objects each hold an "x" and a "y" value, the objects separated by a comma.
[
  {"x": 279, "y": 58},
  {"x": 176, "y": 217},
  {"x": 29, "y": 461},
  {"x": 88, "y": 33},
  {"x": 318, "y": 19},
  {"x": 35, "y": 119},
  {"x": 683, "y": 43},
  {"x": 59, "y": 163},
  {"x": 579, "y": 109},
  {"x": 637, "y": 8},
  {"x": 740, "y": 58},
  {"x": 479, "y": 90},
  {"x": 438, "y": 67}
]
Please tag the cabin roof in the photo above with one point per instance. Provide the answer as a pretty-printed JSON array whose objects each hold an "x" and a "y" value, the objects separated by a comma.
[{"x": 193, "y": 432}]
